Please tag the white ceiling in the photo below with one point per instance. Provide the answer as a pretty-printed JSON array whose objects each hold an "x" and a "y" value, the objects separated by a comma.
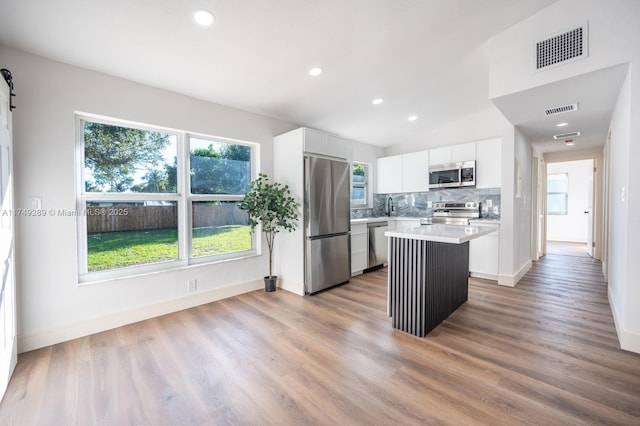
[
  {"x": 424, "y": 57},
  {"x": 595, "y": 93}
]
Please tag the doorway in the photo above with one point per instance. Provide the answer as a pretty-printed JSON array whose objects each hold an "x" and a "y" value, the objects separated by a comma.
[{"x": 570, "y": 211}]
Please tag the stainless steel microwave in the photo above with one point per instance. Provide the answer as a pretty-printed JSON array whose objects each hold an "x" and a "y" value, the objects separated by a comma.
[{"x": 453, "y": 175}]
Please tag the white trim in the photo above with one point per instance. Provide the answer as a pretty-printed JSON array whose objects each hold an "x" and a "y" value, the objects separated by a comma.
[
  {"x": 118, "y": 319},
  {"x": 293, "y": 287},
  {"x": 512, "y": 280},
  {"x": 629, "y": 341},
  {"x": 484, "y": 276}
]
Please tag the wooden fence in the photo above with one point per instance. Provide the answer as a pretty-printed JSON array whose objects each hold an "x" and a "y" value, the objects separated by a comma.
[{"x": 126, "y": 217}]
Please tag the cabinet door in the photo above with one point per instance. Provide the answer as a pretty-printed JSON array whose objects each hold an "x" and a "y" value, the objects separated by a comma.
[
  {"x": 315, "y": 141},
  {"x": 415, "y": 172},
  {"x": 407, "y": 224},
  {"x": 338, "y": 147},
  {"x": 440, "y": 156},
  {"x": 463, "y": 152},
  {"x": 389, "y": 176},
  {"x": 489, "y": 163}
]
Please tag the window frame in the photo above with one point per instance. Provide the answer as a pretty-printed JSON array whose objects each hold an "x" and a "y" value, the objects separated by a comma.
[
  {"x": 365, "y": 185},
  {"x": 182, "y": 197},
  {"x": 565, "y": 212}
]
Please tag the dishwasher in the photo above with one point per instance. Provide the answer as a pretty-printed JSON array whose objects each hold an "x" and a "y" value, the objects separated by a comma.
[{"x": 377, "y": 244}]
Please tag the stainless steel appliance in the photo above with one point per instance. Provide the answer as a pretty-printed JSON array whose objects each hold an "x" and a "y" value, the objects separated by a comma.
[
  {"x": 453, "y": 175},
  {"x": 453, "y": 213},
  {"x": 377, "y": 244},
  {"x": 327, "y": 223}
]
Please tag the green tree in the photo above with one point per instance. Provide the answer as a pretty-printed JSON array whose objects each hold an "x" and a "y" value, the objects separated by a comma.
[
  {"x": 220, "y": 169},
  {"x": 113, "y": 154}
]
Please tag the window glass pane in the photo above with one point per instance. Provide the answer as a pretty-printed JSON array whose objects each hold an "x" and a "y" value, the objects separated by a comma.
[
  {"x": 557, "y": 204},
  {"x": 219, "y": 168},
  {"x": 121, "y": 234},
  {"x": 359, "y": 178},
  {"x": 558, "y": 183},
  {"x": 219, "y": 227},
  {"x": 122, "y": 159},
  {"x": 358, "y": 195}
]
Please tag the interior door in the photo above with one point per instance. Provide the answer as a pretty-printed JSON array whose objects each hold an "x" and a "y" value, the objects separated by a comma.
[
  {"x": 589, "y": 213},
  {"x": 8, "y": 345}
]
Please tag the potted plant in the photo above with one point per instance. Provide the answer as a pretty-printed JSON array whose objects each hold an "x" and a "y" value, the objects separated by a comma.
[{"x": 270, "y": 205}]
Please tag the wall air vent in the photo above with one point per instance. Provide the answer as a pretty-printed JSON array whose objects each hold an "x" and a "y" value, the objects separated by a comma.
[
  {"x": 566, "y": 135},
  {"x": 559, "y": 49},
  {"x": 561, "y": 109}
]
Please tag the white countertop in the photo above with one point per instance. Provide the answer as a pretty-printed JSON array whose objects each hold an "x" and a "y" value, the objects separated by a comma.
[{"x": 454, "y": 234}]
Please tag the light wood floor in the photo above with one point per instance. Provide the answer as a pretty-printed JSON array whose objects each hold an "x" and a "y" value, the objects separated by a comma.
[
  {"x": 542, "y": 353},
  {"x": 567, "y": 248}
]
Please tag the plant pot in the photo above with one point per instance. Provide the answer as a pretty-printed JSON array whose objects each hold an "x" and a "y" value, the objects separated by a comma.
[{"x": 270, "y": 283}]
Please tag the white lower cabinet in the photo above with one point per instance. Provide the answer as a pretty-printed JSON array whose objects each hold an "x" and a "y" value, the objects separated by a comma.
[
  {"x": 402, "y": 224},
  {"x": 484, "y": 256},
  {"x": 359, "y": 248}
]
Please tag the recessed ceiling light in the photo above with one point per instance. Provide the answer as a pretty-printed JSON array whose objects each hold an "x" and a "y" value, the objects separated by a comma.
[
  {"x": 315, "y": 71},
  {"x": 413, "y": 118},
  {"x": 377, "y": 101},
  {"x": 569, "y": 142},
  {"x": 562, "y": 124},
  {"x": 204, "y": 17}
]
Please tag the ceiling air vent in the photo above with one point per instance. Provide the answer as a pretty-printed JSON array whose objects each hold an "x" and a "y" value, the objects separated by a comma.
[
  {"x": 569, "y": 46},
  {"x": 566, "y": 135},
  {"x": 561, "y": 109}
]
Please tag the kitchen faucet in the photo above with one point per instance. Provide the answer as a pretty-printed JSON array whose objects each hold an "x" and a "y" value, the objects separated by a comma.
[{"x": 389, "y": 206}]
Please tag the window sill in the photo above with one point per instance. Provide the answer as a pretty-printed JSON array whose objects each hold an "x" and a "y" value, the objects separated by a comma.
[{"x": 156, "y": 269}]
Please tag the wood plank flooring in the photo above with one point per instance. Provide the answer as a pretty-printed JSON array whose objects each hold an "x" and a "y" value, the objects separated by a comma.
[{"x": 544, "y": 353}]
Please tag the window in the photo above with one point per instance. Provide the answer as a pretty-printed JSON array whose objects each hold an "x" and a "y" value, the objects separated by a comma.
[
  {"x": 557, "y": 193},
  {"x": 150, "y": 198},
  {"x": 360, "y": 185}
]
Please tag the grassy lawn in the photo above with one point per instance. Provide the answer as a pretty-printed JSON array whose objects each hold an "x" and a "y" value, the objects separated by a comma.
[{"x": 109, "y": 250}]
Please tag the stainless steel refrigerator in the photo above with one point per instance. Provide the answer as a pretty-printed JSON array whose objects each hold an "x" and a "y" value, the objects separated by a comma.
[{"x": 327, "y": 223}]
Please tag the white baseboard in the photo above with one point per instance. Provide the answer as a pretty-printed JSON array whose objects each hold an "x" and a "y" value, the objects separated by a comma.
[
  {"x": 291, "y": 286},
  {"x": 629, "y": 341},
  {"x": 118, "y": 319},
  {"x": 484, "y": 276},
  {"x": 512, "y": 280}
]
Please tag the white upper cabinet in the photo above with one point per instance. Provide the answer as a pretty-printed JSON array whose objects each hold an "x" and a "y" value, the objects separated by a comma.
[
  {"x": 339, "y": 147},
  {"x": 389, "y": 176},
  {"x": 403, "y": 173},
  {"x": 440, "y": 156},
  {"x": 452, "y": 154},
  {"x": 415, "y": 172},
  {"x": 315, "y": 141},
  {"x": 463, "y": 152},
  {"x": 489, "y": 163}
]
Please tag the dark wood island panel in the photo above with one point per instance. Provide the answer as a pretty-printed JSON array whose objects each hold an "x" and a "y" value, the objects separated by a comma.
[{"x": 428, "y": 280}]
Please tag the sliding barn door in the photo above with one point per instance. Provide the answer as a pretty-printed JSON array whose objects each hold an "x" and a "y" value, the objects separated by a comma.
[{"x": 8, "y": 345}]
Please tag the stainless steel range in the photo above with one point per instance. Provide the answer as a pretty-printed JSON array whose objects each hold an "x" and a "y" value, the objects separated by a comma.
[{"x": 453, "y": 213}]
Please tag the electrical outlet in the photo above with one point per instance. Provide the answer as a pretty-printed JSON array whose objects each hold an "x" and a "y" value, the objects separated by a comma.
[
  {"x": 489, "y": 203},
  {"x": 193, "y": 285},
  {"x": 430, "y": 204}
]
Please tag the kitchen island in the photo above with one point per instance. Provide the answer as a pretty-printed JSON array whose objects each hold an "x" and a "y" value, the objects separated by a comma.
[{"x": 428, "y": 274}]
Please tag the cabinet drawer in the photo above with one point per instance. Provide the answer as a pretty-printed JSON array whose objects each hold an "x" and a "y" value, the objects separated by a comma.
[
  {"x": 358, "y": 228},
  {"x": 359, "y": 261},
  {"x": 359, "y": 243}
]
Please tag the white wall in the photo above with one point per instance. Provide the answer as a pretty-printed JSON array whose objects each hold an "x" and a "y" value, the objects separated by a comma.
[
  {"x": 574, "y": 225},
  {"x": 612, "y": 35},
  {"x": 613, "y": 40},
  {"x": 51, "y": 305}
]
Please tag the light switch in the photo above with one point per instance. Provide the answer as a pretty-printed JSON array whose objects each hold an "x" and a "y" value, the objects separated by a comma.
[{"x": 35, "y": 203}]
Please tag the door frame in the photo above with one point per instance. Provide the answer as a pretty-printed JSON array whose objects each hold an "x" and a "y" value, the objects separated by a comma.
[{"x": 598, "y": 192}]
